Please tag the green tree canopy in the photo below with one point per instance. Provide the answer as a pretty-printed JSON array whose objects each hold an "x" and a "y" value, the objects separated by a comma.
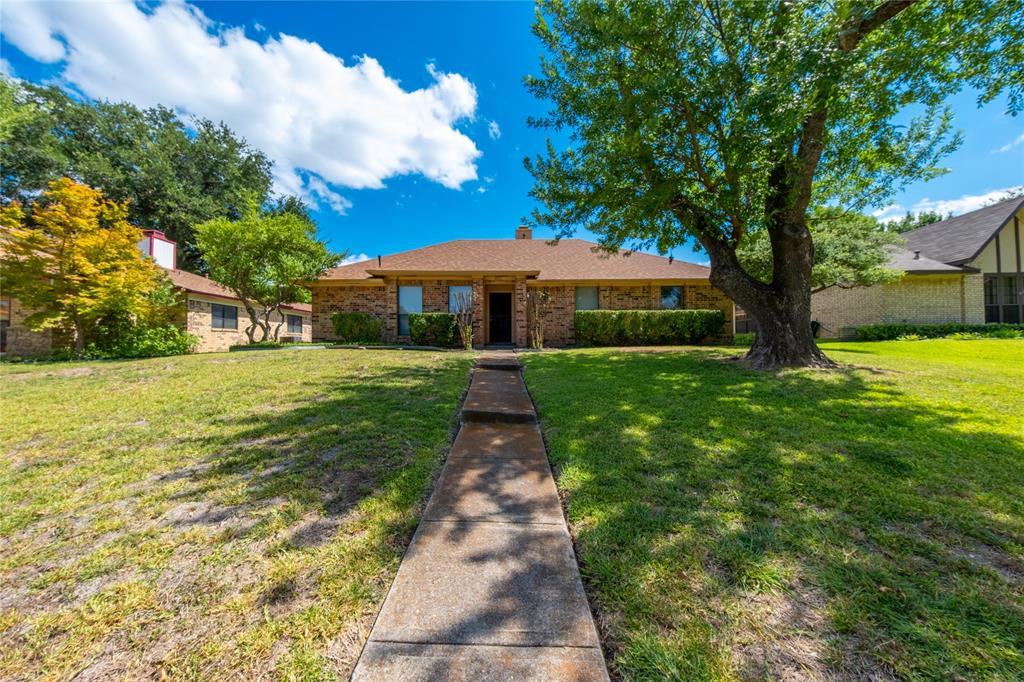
[
  {"x": 264, "y": 257},
  {"x": 171, "y": 175},
  {"x": 715, "y": 120}
]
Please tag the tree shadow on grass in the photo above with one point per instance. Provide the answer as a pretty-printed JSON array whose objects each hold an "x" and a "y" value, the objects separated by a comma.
[
  {"x": 707, "y": 497},
  {"x": 332, "y": 483}
]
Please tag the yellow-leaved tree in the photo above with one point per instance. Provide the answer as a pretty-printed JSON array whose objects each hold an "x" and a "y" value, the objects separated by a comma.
[{"x": 74, "y": 260}]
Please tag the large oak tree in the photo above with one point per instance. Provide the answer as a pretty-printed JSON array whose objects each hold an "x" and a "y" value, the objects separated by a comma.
[{"x": 715, "y": 120}]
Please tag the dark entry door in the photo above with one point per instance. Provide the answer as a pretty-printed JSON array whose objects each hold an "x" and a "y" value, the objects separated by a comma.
[{"x": 499, "y": 314}]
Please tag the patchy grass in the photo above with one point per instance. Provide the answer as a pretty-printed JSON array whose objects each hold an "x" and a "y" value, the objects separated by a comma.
[
  {"x": 866, "y": 523},
  {"x": 209, "y": 517}
]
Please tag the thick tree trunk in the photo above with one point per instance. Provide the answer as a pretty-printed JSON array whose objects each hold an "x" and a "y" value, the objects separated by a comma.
[
  {"x": 784, "y": 337},
  {"x": 781, "y": 309}
]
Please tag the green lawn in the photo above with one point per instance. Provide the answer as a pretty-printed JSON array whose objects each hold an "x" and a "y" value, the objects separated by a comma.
[
  {"x": 213, "y": 516},
  {"x": 863, "y": 523}
]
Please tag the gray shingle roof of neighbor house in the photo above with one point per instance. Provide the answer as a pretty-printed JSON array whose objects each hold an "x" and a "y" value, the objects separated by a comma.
[
  {"x": 960, "y": 239},
  {"x": 915, "y": 263}
]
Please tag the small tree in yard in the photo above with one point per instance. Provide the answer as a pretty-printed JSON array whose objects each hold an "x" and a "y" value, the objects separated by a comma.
[
  {"x": 264, "y": 259},
  {"x": 538, "y": 301},
  {"x": 464, "y": 318},
  {"x": 716, "y": 121},
  {"x": 75, "y": 261}
]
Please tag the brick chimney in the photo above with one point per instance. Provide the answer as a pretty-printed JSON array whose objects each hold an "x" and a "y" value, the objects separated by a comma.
[{"x": 524, "y": 232}]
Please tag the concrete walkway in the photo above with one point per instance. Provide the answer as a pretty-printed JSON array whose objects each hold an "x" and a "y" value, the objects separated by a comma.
[{"x": 489, "y": 588}]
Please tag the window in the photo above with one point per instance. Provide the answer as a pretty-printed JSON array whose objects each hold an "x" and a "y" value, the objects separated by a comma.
[
  {"x": 586, "y": 298},
  {"x": 1011, "y": 311},
  {"x": 671, "y": 297},
  {"x": 224, "y": 316},
  {"x": 295, "y": 324},
  {"x": 459, "y": 297},
  {"x": 410, "y": 300},
  {"x": 991, "y": 299}
]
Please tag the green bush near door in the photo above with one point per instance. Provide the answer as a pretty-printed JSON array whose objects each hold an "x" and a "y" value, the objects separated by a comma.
[
  {"x": 356, "y": 327},
  {"x": 434, "y": 329},
  {"x": 646, "y": 327}
]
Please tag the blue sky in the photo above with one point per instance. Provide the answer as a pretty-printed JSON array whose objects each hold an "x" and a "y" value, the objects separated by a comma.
[{"x": 454, "y": 70}]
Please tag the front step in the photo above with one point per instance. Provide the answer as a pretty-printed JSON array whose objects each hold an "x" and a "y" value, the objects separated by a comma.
[{"x": 498, "y": 396}]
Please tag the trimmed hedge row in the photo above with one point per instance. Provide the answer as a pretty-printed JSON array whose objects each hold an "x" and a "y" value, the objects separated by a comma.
[
  {"x": 891, "y": 332},
  {"x": 434, "y": 329},
  {"x": 357, "y": 327},
  {"x": 646, "y": 327}
]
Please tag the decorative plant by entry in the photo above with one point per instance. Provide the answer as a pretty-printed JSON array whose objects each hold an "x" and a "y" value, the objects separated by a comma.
[
  {"x": 538, "y": 303},
  {"x": 464, "y": 318}
]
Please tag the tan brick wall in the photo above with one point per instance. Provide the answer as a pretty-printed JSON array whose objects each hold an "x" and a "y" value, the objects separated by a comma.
[
  {"x": 199, "y": 321},
  {"x": 558, "y": 328},
  {"x": 915, "y": 299},
  {"x": 330, "y": 300},
  {"x": 932, "y": 299},
  {"x": 22, "y": 341},
  {"x": 840, "y": 309}
]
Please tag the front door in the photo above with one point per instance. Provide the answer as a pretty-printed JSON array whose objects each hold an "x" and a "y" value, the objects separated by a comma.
[{"x": 499, "y": 317}]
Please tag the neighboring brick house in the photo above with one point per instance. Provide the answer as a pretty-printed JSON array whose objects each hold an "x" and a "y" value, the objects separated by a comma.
[
  {"x": 209, "y": 310},
  {"x": 967, "y": 269},
  {"x": 499, "y": 273}
]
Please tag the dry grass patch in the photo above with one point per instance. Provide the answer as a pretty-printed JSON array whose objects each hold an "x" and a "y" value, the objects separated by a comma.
[{"x": 211, "y": 516}]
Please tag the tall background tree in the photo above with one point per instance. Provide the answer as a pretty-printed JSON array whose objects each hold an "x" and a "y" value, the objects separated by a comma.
[
  {"x": 712, "y": 121},
  {"x": 265, "y": 257},
  {"x": 171, "y": 175}
]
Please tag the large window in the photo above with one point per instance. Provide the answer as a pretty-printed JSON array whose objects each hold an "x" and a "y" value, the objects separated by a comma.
[
  {"x": 224, "y": 316},
  {"x": 460, "y": 297},
  {"x": 671, "y": 297},
  {"x": 295, "y": 324},
  {"x": 1011, "y": 299},
  {"x": 1004, "y": 298},
  {"x": 586, "y": 298},
  {"x": 410, "y": 300}
]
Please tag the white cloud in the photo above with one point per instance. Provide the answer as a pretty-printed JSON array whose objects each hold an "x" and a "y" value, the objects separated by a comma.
[
  {"x": 1007, "y": 147},
  {"x": 494, "y": 130},
  {"x": 259, "y": 27},
  {"x": 481, "y": 190},
  {"x": 323, "y": 122},
  {"x": 5, "y": 68},
  {"x": 962, "y": 204},
  {"x": 356, "y": 258}
]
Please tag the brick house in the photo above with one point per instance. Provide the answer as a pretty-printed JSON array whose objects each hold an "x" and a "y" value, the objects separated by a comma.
[
  {"x": 498, "y": 274},
  {"x": 208, "y": 310},
  {"x": 967, "y": 269}
]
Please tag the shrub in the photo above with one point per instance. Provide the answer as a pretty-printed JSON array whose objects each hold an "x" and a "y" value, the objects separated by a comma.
[
  {"x": 126, "y": 340},
  {"x": 356, "y": 327},
  {"x": 646, "y": 327},
  {"x": 891, "y": 332},
  {"x": 745, "y": 339},
  {"x": 434, "y": 329}
]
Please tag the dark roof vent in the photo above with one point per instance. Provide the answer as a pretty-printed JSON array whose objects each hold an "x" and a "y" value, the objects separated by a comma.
[{"x": 917, "y": 255}]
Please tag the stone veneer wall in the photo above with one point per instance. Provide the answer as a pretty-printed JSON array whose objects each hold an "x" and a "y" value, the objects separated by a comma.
[
  {"x": 199, "y": 321},
  {"x": 915, "y": 299},
  {"x": 558, "y": 328}
]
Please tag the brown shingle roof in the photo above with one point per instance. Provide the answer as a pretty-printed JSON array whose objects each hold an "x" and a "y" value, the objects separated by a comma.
[
  {"x": 197, "y": 284},
  {"x": 566, "y": 260}
]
